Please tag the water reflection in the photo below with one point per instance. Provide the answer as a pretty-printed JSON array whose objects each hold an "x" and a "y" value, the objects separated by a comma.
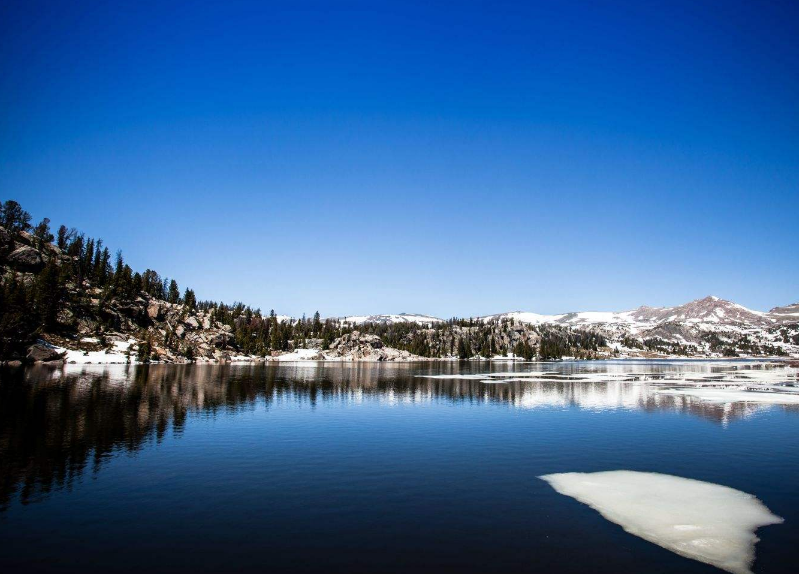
[{"x": 57, "y": 423}]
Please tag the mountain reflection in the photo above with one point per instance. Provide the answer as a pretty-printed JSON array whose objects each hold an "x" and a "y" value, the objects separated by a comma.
[{"x": 55, "y": 423}]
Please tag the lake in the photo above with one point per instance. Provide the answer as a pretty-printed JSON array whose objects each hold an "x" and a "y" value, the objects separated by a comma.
[{"x": 364, "y": 467}]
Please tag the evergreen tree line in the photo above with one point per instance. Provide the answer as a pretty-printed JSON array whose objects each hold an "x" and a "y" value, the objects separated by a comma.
[{"x": 74, "y": 263}]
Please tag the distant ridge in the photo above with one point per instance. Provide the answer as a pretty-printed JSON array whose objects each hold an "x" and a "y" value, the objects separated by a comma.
[
  {"x": 707, "y": 323},
  {"x": 707, "y": 310}
]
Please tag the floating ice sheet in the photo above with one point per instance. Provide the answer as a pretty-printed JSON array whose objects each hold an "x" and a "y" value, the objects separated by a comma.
[
  {"x": 736, "y": 395},
  {"x": 707, "y": 522}
]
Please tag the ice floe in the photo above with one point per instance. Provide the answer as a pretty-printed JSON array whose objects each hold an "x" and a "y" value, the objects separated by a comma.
[
  {"x": 703, "y": 521},
  {"x": 733, "y": 395}
]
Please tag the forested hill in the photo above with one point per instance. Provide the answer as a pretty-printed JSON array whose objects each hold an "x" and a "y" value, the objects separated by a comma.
[{"x": 65, "y": 290}]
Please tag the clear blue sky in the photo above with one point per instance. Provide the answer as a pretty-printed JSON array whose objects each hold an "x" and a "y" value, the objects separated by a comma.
[{"x": 444, "y": 158}]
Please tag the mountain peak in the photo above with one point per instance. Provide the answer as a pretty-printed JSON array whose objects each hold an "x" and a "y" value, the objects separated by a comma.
[{"x": 708, "y": 300}]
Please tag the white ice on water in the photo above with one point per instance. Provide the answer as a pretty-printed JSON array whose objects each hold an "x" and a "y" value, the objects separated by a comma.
[
  {"x": 712, "y": 395},
  {"x": 703, "y": 521}
]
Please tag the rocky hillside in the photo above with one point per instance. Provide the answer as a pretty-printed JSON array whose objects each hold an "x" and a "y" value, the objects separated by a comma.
[
  {"x": 94, "y": 325},
  {"x": 62, "y": 299}
]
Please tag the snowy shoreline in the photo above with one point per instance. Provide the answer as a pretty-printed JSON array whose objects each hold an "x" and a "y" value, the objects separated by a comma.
[{"x": 120, "y": 354}]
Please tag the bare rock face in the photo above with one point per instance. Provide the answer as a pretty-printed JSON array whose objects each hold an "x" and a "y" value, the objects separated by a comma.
[
  {"x": 356, "y": 340},
  {"x": 358, "y": 346},
  {"x": 671, "y": 332},
  {"x": 40, "y": 353},
  {"x": 134, "y": 311},
  {"x": 26, "y": 258},
  {"x": 786, "y": 314},
  {"x": 153, "y": 309},
  {"x": 6, "y": 240}
]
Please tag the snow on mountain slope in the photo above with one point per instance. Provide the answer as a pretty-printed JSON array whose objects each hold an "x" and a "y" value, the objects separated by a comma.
[
  {"x": 712, "y": 310},
  {"x": 708, "y": 310},
  {"x": 522, "y": 317},
  {"x": 788, "y": 313},
  {"x": 704, "y": 324},
  {"x": 390, "y": 319},
  {"x": 708, "y": 325}
]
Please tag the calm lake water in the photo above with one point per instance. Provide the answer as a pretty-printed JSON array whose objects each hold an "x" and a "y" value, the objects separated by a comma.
[{"x": 361, "y": 468}]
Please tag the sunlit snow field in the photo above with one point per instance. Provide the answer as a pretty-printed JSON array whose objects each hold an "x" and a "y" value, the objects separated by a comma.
[{"x": 440, "y": 467}]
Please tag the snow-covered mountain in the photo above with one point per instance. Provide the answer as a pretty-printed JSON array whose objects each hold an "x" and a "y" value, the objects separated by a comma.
[
  {"x": 705, "y": 324},
  {"x": 708, "y": 311}
]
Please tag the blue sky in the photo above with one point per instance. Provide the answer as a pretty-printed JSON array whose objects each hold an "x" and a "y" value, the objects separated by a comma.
[{"x": 443, "y": 158}]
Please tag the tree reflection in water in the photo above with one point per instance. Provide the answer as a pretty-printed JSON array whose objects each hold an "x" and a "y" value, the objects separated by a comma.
[{"x": 57, "y": 422}]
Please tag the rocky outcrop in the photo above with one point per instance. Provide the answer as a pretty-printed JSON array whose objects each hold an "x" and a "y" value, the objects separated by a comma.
[
  {"x": 26, "y": 259},
  {"x": 356, "y": 340},
  {"x": 43, "y": 353},
  {"x": 155, "y": 310},
  {"x": 357, "y": 346}
]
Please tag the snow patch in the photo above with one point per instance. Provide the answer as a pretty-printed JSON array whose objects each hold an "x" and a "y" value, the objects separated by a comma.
[
  {"x": 300, "y": 355},
  {"x": 117, "y": 354},
  {"x": 703, "y": 521},
  {"x": 390, "y": 319}
]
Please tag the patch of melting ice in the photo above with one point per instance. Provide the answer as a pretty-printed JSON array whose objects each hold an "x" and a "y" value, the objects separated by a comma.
[
  {"x": 703, "y": 521},
  {"x": 762, "y": 383},
  {"x": 734, "y": 395}
]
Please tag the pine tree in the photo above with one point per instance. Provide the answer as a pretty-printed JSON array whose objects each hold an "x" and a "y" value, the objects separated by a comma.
[
  {"x": 189, "y": 300},
  {"x": 48, "y": 294},
  {"x": 17, "y": 323},
  {"x": 317, "y": 324},
  {"x": 274, "y": 330},
  {"x": 14, "y": 218},
  {"x": 145, "y": 351},
  {"x": 62, "y": 237},
  {"x": 174, "y": 292},
  {"x": 463, "y": 353},
  {"x": 42, "y": 235}
]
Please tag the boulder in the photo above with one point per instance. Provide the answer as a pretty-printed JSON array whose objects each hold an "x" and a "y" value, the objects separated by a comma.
[
  {"x": 42, "y": 353},
  {"x": 192, "y": 323},
  {"x": 26, "y": 259},
  {"x": 155, "y": 310}
]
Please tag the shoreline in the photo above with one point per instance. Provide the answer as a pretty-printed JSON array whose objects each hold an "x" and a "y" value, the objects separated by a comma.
[{"x": 789, "y": 361}]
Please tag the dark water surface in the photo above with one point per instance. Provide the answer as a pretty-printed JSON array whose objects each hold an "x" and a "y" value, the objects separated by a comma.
[{"x": 360, "y": 468}]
